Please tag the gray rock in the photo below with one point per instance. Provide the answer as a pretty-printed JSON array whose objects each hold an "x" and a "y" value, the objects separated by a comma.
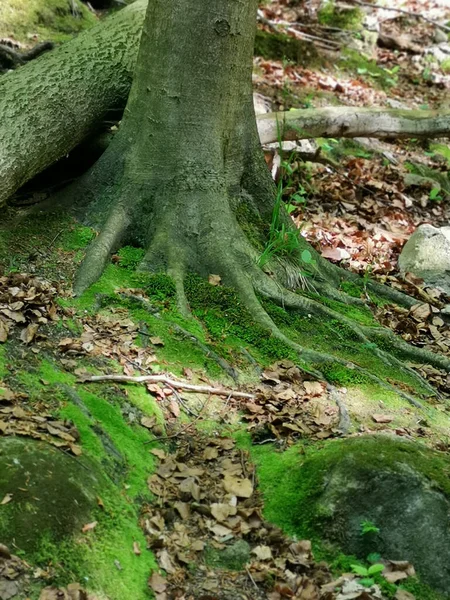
[
  {"x": 440, "y": 36},
  {"x": 427, "y": 255},
  {"x": 409, "y": 509},
  {"x": 53, "y": 494}
]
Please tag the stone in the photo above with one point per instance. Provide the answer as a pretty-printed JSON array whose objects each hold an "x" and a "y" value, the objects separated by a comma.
[
  {"x": 52, "y": 493},
  {"x": 388, "y": 482},
  {"x": 427, "y": 255}
]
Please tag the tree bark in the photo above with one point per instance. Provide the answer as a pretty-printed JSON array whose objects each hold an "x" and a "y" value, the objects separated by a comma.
[{"x": 50, "y": 105}]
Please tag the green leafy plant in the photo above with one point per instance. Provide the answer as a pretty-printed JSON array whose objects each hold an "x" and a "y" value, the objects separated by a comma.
[
  {"x": 367, "y": 573},
  {"x": 435, "y": 194},
  {"x": 368, "y": 527}
]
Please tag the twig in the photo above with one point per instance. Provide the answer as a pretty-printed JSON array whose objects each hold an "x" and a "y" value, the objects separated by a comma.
[
  {"x": 184, "y": 429},
  {"x": 251, "y": 578},
  {"x": 404, "y": 12},
  {"x": 201, "y": 389}
]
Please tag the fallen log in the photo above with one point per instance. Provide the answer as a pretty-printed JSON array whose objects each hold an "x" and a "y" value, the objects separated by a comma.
[
  {"x": 48, "y": 106},
  {"x": 350, "y": 122}
]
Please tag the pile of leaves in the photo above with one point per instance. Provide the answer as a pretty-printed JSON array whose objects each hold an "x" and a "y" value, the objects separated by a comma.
[
  {"x": 210, "y": 539},
  {"x": 111, "y": 336},
  {"x": 26, "y": 302},
  {"x": 18, "y": 418},
  {"x": 287, "y": 407},
  {"x": 12, "y": 572},
  {"x": 423, "y": 325}
]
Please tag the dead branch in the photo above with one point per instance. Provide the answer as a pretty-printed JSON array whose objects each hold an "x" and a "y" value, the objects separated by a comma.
[
  {"x": 350, "y": 122},
  {"x": 181, "y": 385},
  {"x": 404, "y": 12}
]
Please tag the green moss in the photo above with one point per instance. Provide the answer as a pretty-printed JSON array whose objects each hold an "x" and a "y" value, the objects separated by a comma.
[
  {"x": 352, "y": 289},
  {"x": 77, "y": 238},
  {"x": 358, "y": 64},
  {"x": 344, "y": 18},
  {"x": 360, "y": 315},
  {"x": 445, "y": 65},
  {"x": 48, "y": 19},
  {"x": 277, "y": 46},
  {"x": 130, "y": 257},
  {"x": 442, "y": 150},
  {"x": 342, "y": 376},
  {"x": 3, "y": 362},
  {"x": 230, "y": 558}
]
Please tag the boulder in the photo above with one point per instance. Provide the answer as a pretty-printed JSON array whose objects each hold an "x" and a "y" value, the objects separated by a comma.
[
  {"x": 378, "y": 494},
  {"x": 45, "y": 494},
  {"x": 427, "y": 255}
]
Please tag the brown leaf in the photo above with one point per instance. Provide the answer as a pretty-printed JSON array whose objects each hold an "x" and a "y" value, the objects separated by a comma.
[
  {"x": 382, "y": 418},
  {"x": 4, "y": 329},
  {"x": 215, "y": 279},
  {"x": 157, "y": 583},
  {"x": 183, "y": 508},
  {"x": 403, "y": 595},
  {"x": 89, "y": 526},
  {"x": 165, "y": 562},
  {"x": 137, "y": 548},
  {"x": 174, "y": 408},
  {"x": 242, "y": 488},
  {"x": 262, "y": 552},
  {"x": 148, "y": 422},
  {"x": 28, "y": 334},
  {"x": 156, "y": 341},
  {"x": 158, "y": 452},
  {"x": 221, "y": 512},
  {"x": 313, "y": 388},
  {"x": 395, "y": 576},
  {"x": 210, "y": 453}
]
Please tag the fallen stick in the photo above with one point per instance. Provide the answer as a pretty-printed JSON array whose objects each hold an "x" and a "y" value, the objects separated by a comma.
[
  {"x": 403, "y": 11},
  {"x": 181, "y": 385},
  {"x": 350, "y": 122}
]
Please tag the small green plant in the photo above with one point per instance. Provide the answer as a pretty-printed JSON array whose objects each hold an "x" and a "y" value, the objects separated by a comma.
[
  {"x": 368, "y": 527},
  {"x": 435, "y": 194},
  {"x": 367, "y": 573}
]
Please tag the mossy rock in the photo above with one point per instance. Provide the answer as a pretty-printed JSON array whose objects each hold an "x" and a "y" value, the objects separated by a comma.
[
  {"x": 277, "y": 46},
  {"x": 52, "y": 494},
  {"x": 403, "y": 488}
]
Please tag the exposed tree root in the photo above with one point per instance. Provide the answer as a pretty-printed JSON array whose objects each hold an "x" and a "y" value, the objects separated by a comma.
[
  {"x": 209, "y": 352},
  {"x": 237, "y": 266}
]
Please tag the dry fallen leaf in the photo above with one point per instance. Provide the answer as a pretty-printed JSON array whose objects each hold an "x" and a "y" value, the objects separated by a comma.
[
  {"x": 242, "y": 488},
  {"x": 157, "y": 583},
  {"x": 6, "y": 499},
  {"x": 262, "y": 552},
  {"x": 214, "y": 279},
  {"x": 382, "y": 418},
  {"x": 137, "y": 548},
  {"x": 89, "y": 526}
]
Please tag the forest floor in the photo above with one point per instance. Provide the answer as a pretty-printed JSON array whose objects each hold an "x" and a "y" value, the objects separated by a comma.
[{"x": 194, "y": 483}]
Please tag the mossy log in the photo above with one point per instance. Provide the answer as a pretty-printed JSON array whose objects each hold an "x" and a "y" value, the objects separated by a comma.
[{"x": 49, "y": 106}]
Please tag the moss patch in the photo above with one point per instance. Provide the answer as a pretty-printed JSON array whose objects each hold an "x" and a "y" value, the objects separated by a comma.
[{"x": 47, "y": 19}]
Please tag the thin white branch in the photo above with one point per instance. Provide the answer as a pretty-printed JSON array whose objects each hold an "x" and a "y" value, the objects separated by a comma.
[{"x": 181, "y": 385}]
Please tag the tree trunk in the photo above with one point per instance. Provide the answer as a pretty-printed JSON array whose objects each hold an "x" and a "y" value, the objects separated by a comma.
[
  {"x": 53, "y": 103},
  {"x": 186, "y": 178}
]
